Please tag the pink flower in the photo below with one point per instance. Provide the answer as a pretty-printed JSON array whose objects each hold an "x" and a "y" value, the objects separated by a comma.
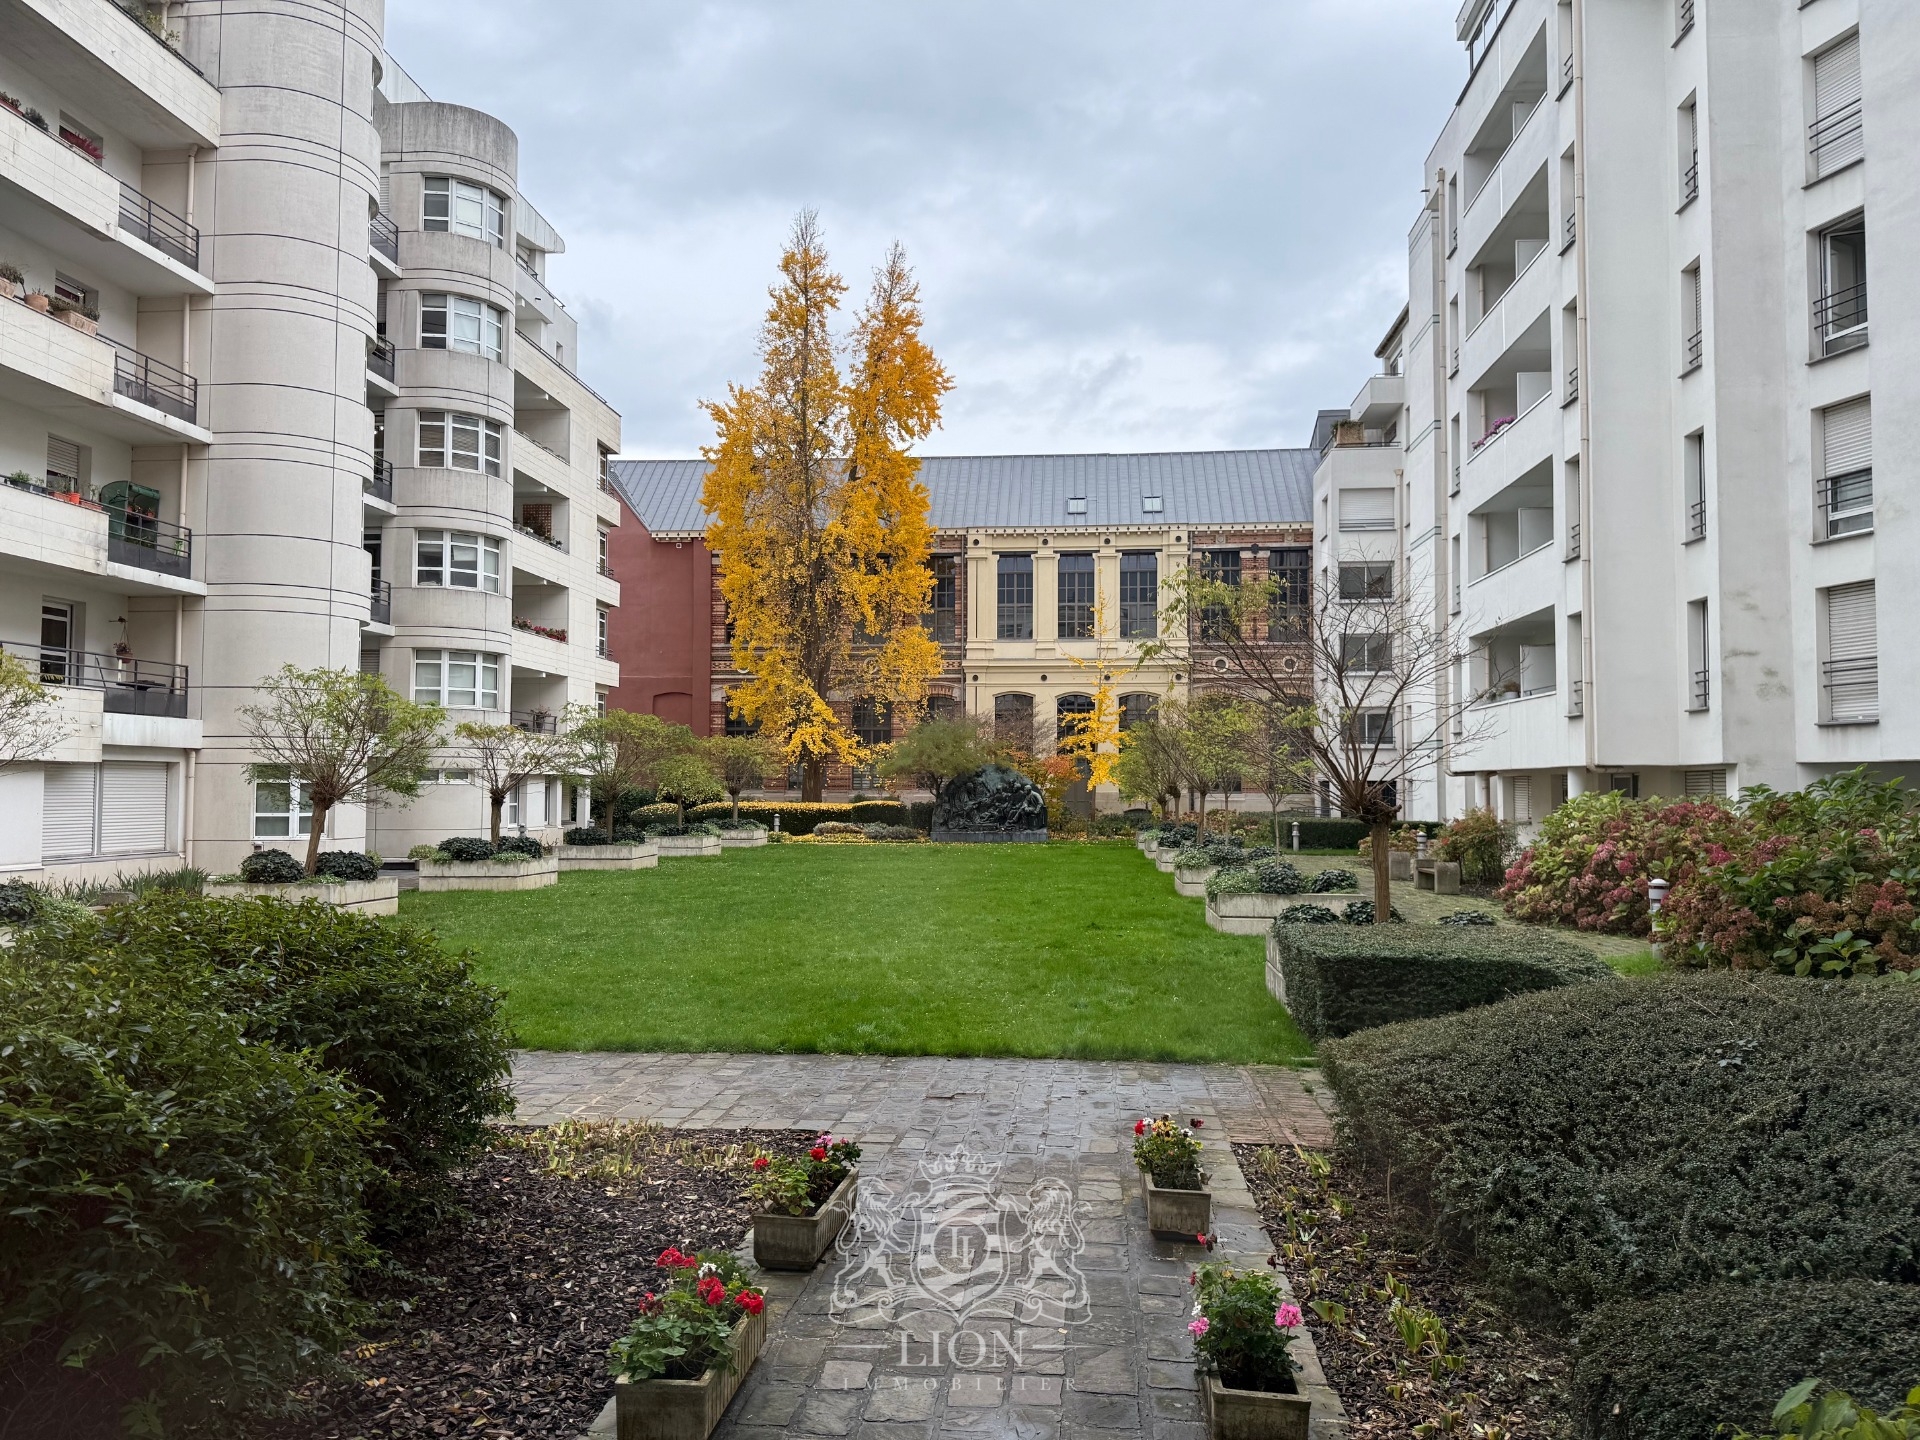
[
  {"x": 1198, "y": 1327},
  {"x": 1287, "y": 1316}
]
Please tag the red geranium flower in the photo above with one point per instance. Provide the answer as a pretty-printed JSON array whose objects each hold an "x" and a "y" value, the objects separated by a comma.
[
  {"x": 712, "y": 1290},
  {"x": 1196, "y": 1123},
  {"x": 760, "y": 1162},
  {"x": 672, "y": 1259},
  {"x": 751, "y": 1301},
  {"x": 1139, "y": 1127},
  {"x": 819, "y": 1152}
]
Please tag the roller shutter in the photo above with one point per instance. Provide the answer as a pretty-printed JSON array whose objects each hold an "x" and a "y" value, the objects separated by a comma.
[
  {"x": 69, "y": 807},
  {"x": 133, "y": 807}
]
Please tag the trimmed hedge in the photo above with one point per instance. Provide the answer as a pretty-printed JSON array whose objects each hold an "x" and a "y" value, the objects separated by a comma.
[
  {"x": 347, "y": 865},
  {"x": 798, "y": 817},
  {"x": 271, "y": 867},
  {"x": 1263, "y": 877},
  {"x": 1598, "y": 1142},
  {"x": 1677, "y": 1366},
  {"x": 1335, "y": 834},
  {"x": 1357, "y": 977}
]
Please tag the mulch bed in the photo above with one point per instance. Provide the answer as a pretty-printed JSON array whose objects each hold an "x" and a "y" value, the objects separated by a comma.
[
  {"x": 509, "y": 1315},
  {"x": 1405, "y": 1339}
]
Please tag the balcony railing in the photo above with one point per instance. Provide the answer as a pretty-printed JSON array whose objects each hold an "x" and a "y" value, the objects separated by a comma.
[
  {"x": 1840, "y": 319},
  {"x": 1834, "y": 140},
  {"x": 1686, "y": 20},
  {"x": 538, "y": 722},
  {"x": 383, "y": 235},
  {"x": 380, "y": 603},
  {"x": 1853, "y": 688},
  {"x": 1690, "y": 183},
  {"x": 1573, "y": 384},
  {"x": 148, "y": 381},
  {"x": 1847, "y": 502},
  {"x": 380, "y": 358},
  {"x": 159, "y": 227},
  {"x": 603, "y": 650},
  {"x": 129, "y": 686},
  {"x": 606, "y": 567},
  {"x": 1566, "y": 70},
  {"x": 1702, "y": 690},
  {"x": 148, "y": 542},
  {"x": 155, "y": 30},
  {"x": 380, "y": 482},
  {"x": 1568, "y": 231},
  {"x": 1697, "y": 519},
  {"x": 1573, "y": 540},
  {"x": 533, "y": 534},
  {"x": 1693, "y": 351},
  {"x": 1576, "y": 699}
]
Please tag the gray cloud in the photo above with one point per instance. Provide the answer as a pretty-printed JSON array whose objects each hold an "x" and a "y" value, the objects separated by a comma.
[{"x": 1137, "y": 225}]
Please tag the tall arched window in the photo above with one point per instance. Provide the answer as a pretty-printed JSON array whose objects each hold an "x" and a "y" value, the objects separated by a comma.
[
  {"x": 1013, "y": 721},
  {"x": 1071, "y": 713},
  {"x": 1136, "y": 709}
]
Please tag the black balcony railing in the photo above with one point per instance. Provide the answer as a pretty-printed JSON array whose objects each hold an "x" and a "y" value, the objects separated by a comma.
[
  {"x": 383, "y": 235},
  {"x": 148, "y": 381},
  {"x": 159, "y": 227},
  {"x": 539, "y": 722},
  {"x": 130, "y": 686},
  {"x": 1576, "y": 699},
  {"x": 1690, "y": 182},
  {"x": 1686, "y": 19},
  {"x": 1847, "y": 502},
  {"x": 1573, "y": 540},
  {"x": 1573, "y": 384},
  {"x": 1834, "y": 140},
  {"x": 380, "y": 358},
  {"x": 606, "y": 567},
  {"x": 1568, "y": 231},
  {"x": 380, "y": 603},
  {"x": 148, "y": 542},
  {"x": 380, "y": 482},
  {"x": 1566, "y": 70},
  {"x": 1694, "y": 350},
  {"x": 1840, "y": 318},
  {"x": 1702, "y": 690},
  {"x": 1853, "y": 688},
  {"x": 1697, "y": 520}
]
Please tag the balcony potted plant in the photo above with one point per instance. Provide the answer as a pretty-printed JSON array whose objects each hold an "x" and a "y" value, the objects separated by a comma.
[
  {"x": 688, "y": 1350},
  {"x": 1168, "y": 1155},
  {"x": 39, "y": 300},
  {"x": 1240, "y": 1340},
  {"x": 12, "y": 280},
  {"x": 802, "y": 1204},
  {"x": 83, "y": 318}
]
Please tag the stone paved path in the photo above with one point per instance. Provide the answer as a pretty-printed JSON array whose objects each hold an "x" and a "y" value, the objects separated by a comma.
[{"x": 1085, "y": 1338}]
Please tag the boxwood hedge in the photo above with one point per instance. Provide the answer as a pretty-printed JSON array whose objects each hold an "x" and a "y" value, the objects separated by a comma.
[
  {"x": 798, "y": 817},
  {"x": 1600, "y": 1142},
  {"x": 1353, "y": 978}
]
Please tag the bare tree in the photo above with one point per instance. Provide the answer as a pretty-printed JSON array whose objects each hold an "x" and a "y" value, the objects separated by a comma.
[
  {"x": 31, "y": 722},
  {"x": 504, "y": 757}
]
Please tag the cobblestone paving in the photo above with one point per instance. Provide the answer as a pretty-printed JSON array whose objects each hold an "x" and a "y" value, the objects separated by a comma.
[{"x": 1101, "y": 1353}]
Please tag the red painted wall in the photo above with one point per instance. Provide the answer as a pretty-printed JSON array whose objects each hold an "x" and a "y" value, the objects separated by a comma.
[{"x": 662, "y": 630}]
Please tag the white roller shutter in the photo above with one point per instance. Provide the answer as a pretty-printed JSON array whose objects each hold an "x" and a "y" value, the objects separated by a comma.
[
  {"x": 63, "y": 459},
  {"x": 1837, "y": 137},
  {"x": 1366, "y": 509},
  {"x": 133, "y": 807},
  {"x": 68, "y": 806},
  {"x": 1853, "y": 648},
  {"x": 1848, "y": 437},
  {"x": 1520, "y": 798}
]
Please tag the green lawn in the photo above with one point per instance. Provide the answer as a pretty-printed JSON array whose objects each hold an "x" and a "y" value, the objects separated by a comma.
[{"x": 1079, "y": 951}]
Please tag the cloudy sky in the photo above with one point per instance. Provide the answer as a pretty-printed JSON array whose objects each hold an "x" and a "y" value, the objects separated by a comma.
[{"x": 1138, "y": 226}]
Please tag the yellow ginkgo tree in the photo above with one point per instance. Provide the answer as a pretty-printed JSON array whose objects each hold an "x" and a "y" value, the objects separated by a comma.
[
  {"x": 1095, "y": 738},
  {"x": 820, "y": 524}
]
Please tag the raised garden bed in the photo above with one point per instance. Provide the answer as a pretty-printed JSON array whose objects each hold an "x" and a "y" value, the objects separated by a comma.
[
  {"x": 369, "y": 897},
  {"x": 687, "y": 1409},
  {"x": 1191, "y": 881},
  {"x": 641, "y": 855},
  {"x": 681, "y": 847},
  {"x": 520, "y": 873},
  {"x": 1252, "y": 914},
  {"x": 742, "y": 839}
]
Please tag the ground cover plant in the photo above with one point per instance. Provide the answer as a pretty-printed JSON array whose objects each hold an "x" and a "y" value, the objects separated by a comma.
[{"x": 1045, "y": 950}]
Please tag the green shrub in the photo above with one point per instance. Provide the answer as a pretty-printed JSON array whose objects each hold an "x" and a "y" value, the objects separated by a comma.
[
  {"x": 379, "y": 1002},
  {"x": 1676, "y": 1367},
  {"x": 891, "y": 832},
  {"x": 1267, "y": 877},
  {"x": 589, "y": 835},
  {"x": 521, "y": 845},
  {"x": 271, "y": 867},
  {"x": 19, "y": 903},
  {"x": 1204, "y": 853},
  {"x": 1340, "y": 981},
  {"x": 1361, "y": 912},
  {"x": 879, "y": 812},
  {"x": 1324, "y": 834},
  {"x": 1468, "y": 918},
  {"x": 182, "y": 1207},
  {"x": 466, "y": 849},
  {"x": 347, "y": 865},
  {"x": 1308, "y": 915},
  {"x": 797, "y": 817},
  {"x": 1329, "y": 881},
  {"x": 1603, "y": 1141},
  {"x": 418, "y": 853},
  {"x": 1480, "y": 843},
  {"x": 1814, "y": 1411}
]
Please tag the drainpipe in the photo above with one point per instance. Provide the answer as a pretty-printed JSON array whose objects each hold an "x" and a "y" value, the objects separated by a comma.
[{"x": 1590, "y": 710}]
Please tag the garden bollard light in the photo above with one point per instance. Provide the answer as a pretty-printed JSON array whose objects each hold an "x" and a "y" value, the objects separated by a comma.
[
  {"x": 776, "y": 822},
  {"x": 1656, "y": 894},
  {"x": 1296, "y": 835},
  {"x": 1420, "y": 844}
]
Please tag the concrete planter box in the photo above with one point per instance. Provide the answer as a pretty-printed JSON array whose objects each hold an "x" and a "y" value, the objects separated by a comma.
[
  {"x": 369, "y": 897},
  {"x": 1255, "y": 914},
  {"x": 687, "y": 1409},
  {"x": 742, "y": 839},
  {"x": 1192, "y": 883},
  {"x": 1186, "y": 1213},
  {"x": 679, "y": 847},
  {"x": 1254, "y": 1414},
  {"x": 637, "y": 856},
  {"x": 1163, "y": 861},
  {"x": 522, "y": 874},
  {"x": 989, "y": 837},
  {"x": 796, "y": 1242}
]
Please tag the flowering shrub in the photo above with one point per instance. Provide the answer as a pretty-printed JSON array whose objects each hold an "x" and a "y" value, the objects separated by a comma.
[
  {"x": 1480, "y": 843},
  {"x": 1169, "y": 1153},
  {"x": 1243, "y": 1328},
  {"x": 684, "y": 1331},
  {"x": 1405, "y": 837},
  {"x": 801, "y": 1187},
  {"x": 1590, "y": 864}
]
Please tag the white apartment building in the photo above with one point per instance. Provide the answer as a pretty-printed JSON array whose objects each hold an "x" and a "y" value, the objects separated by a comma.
[
  {"x": 1657, "y": 386},
  {"x": 230, "y": 470}
]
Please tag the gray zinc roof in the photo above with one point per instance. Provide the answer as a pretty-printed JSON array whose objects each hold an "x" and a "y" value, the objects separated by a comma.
[{"x": 1034, "y": 492}]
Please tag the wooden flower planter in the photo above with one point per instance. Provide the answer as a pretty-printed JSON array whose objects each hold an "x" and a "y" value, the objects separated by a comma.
[
  {"x": 1177, "y": 1212},
  {"x": 687, "y": 1409},
  {"x": 1254, "y": 1414},
  {"x": 369, "y": 897},
  {"x": 796, "y": 1242},
  {"x": 635, "y": 856},
  {"x": 1192, "y": 882},
  {"x": 527, "y": 874},
  {"x": 672, "y": 847}
]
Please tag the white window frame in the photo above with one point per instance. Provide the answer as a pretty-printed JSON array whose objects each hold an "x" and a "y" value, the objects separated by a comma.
[
  {"x": 461, "y": 207},
  {"x": 293, "y": 810},
  {"x": 460, "y": 322},
  {"x": 436, "y": 676},
  {"x": 449, "y": 440},
  {"x": 458, "y": 559}
]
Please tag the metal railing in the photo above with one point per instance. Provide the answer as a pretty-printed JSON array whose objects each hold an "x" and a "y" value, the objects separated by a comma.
[
  {"x": 148, "y": 543},
  {"x": 380, "y": 603},
  {"x": 1568, "y": 231},
  {"x": 1702, "y": 690},
  {"x": 1686, "y": 20},
  {"x": 1690, "y": 182},
  {"x": 159, "y": 227},
  {"x": 125, "y": 7},
  {"x": 1853, "y": 688},
  {"x": 1576, "y": 699},
  {"x": 380, "y": 358},
  {"x": 1566, "y": 70},
  {"x": 603, "y": 650},
  {"x": 533, "y": 534},
  {"x": 1573, "y": 384},
  {"x": 129, "y": 686},
  {"x": 380, "y": 482},
  {"x": 1453, "y": 361},
  {"x": 148, "y": 381},
  {"x": 1694, "y": 351},
  {"x": 1573, "y": 540},
  {"x": 1830, "y": 132},
  {"x": 606, "y": 568},
  {"x": 1697, "y": 519},
  {"x": 383, "y": 235},
  {"x": 1847, "y": 502},
  {"x": 538, "y": 722},
  {"x": 1840, "y": 318}
]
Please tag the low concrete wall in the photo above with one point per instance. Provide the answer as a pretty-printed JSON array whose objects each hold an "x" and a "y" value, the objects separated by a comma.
[
  {"x": 1192, "y": 883},
  {"x": 640, "y": 856},
  {"x": 1163, "y": 861},
  {"x": 741, "y": 840},
  {"x": 682, "y": 847},
  {"x": 523, "y": 874},
  {"x": 369, "y": 897},
  {"x": 990, "y": 837},
  {"x": 1255, "y": 914}
]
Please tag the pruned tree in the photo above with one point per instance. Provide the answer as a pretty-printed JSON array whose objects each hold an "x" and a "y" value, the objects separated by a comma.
[
  {"x": 740, "y": 762},
  {"x": 820, "y": 526},
  {"x": 1154, "y": 765},
  {"x": 686, "y": 778},
  {"x": 1217, "y": 727},
  {"x": 505, "y": 757},
  {"x": 1273, "y": 759},
  {"x": 618, "y": 751},
  {"x": 938, "y": 751},
  {"x": 31, "y": 722},
  {"x": 345, "y": 735}
]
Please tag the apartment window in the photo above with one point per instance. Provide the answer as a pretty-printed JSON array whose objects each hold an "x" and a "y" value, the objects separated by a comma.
[
  {"x": 1625, "y": 784},
  {"x": 1218, "y": 567},
  {"x": 1840, "y": 311},
  {"x": 457, "y": 558},
  {"x": 946, "y": 598},
  {"x": 1846, "y": 468},
  {"x": 1139, "y": 594},
  {"x": 1563, "y": 29},
  {"x": 1693, "y": 338},
  {"x": 1071, "y": 714},
  {"x": 1015, "y": 597},
  {"x": 1453, "y": 573},
  {"x": 1366, "y": 509},
  {"x": 1689, "y": 153},
  {"x": 1366, "y": 582},
  {"x": 872, "y": 722},
  {"x": 83, "y": 138},
  {"x": 1705, "y": 784},
  {"x": 282, "y": 809},
  {"x": 372, "y": 542},
  {"x": 1837, "y": 136},
  {"x": 1453, "y": 453},
  {"x": 457, "y": 679},
  {"x": 1851, "y": 671},
  {"x": 1136, "y": 709},
  {"x": 76, "y": 292},
  {"x": 1699, "y": 667},
  {"x": 602, "y": 633},
  {"x": 1694, "y": 479},
  {"x": 1076, "y": 597},
  {"x": 463, "y": 208},
  {"x": 1013, "y": 721},
  {"x": 69, "y": 464},
  {"x": 1366, "y": 654},
  {"x": 1291, "y": 571},
  {"x": 1373, "y": 727},
  {"x": 459, "y": 442},
  {"x": 459, "y": 322},
  {"x": 606, "y": 551},
  {"x": 1520, "y": 799}
]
